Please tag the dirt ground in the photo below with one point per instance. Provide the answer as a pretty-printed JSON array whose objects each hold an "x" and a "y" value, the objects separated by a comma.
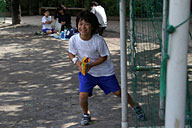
[{"x": 39, "y": 84}]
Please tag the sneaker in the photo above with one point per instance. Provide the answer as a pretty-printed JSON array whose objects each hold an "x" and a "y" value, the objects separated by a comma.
[
  {"x": 86, "y": 118},
  {"x": 140, "y": 113}
]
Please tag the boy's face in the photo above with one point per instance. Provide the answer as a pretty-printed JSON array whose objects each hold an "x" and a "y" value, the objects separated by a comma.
[
  {"x": 46, "y": 13},
  {"x": 84, "y": 28}
]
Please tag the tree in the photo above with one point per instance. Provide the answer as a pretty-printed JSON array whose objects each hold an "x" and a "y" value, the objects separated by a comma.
[
  {"x": 30, "y": 7},
  {"x": 16, "y": 12}
]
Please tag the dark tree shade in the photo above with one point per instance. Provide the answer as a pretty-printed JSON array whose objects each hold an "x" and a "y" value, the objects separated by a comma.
[
  {"x": 16, "y": 11},
  {"x": 81, "y": 3},
  {"x": 30, "y": 7}
]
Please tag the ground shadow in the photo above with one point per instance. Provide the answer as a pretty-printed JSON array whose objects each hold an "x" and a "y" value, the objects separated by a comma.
[{"x": 39, "y": 84}]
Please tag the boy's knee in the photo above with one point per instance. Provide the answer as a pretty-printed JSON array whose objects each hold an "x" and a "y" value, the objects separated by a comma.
[
  {"x": 83, "y": 95},
  {"x": 118, "y": 93},
  {"x": 49, "y": 32}
]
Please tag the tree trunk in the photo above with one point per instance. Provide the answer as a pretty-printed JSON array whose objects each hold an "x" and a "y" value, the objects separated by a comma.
[
  {"x": 30, "y": 12},
  {"x": 16, "y": 12},
  {"x": 56, "y": 3}
]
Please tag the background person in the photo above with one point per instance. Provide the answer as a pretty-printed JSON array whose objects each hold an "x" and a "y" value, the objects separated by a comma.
[
  {"x": 99, "y": 11},
  {"x": 63, "y": 17},
  {"x": 46, "y": 23}
]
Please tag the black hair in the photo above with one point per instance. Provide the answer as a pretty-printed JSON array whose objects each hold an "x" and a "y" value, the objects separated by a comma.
[
  {"x": 46, "y": 10},
  {"x": 93, "y": 3},
  {"x": 90, "y": 18},
  {"x": 62, "y": 7}
]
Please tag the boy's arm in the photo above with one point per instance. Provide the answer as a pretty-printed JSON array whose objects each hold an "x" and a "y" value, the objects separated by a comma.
[
  {"x": 78, "y": 62},
  {"x": 43, "y": 21},
  {"x": 48, "y": 22},
  {"x": 98, "y": 61},
  {"x": 71, "y": 56}
]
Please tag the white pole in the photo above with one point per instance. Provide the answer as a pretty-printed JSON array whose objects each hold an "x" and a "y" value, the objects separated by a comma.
[
  {"x": 177, "y": 65},
  {"x": 123, "y": 52}
]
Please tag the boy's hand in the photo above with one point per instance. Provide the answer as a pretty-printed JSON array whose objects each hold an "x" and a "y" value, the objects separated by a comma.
[
  {"x": 96, "y": 62},
  {"x": 78, "y": 64},
  {"x": 48, "y": 22},
  {"x": 88, "y": 68}
]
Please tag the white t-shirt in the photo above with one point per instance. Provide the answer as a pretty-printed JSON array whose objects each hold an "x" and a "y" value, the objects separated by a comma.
[
  {"x": 94, "y": 48},
  {"x": 99, "y": 11},
  {"x": 44, "y": 19}
]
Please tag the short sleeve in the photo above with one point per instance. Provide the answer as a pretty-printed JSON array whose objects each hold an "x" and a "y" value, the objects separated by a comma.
[
  {"x": 93, "y": 10},
  {"x": 103, "y": 49},
  {"x": 43, "y": 20},
  {"x": 72, "y": 48}
]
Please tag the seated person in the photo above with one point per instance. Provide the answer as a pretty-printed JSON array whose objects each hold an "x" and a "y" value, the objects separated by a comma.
[
  {"x": 63, "y": 17},
  {"x": 46, "y": 23}
]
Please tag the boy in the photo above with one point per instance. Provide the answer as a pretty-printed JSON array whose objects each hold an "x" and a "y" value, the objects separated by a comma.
[
  {"x": 46, "y": 23},
  {"x": 100, "y": 70}
]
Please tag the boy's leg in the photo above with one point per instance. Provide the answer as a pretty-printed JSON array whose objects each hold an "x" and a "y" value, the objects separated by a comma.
[
  {"x": 130, "y": 100},
  {"x": 86, "y": 85},
  {"x": 83, "y": 101},
  {"x": 137, "y": 108},
  {"x": 53, "y": 30},
  {"x": 44, "y": 30},
  {"x": 110, "y": 84},
  {"x": 48, "y": 32}
]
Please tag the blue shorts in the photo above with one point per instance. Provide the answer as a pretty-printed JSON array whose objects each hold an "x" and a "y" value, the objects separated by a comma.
[
  {"x": 106, "y": 83},
  {"x": 45, "y": 30}
]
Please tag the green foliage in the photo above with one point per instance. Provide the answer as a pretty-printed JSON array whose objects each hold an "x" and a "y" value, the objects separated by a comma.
[
  {"x": 70, "y": 3},
  {"x": 143, "y": 7},
  {"x": 148, "y": 8},
  {"x": 2, "y": 10},
  {"x": 8, "y": 5},
  {"x": 111, "y": 6}
]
